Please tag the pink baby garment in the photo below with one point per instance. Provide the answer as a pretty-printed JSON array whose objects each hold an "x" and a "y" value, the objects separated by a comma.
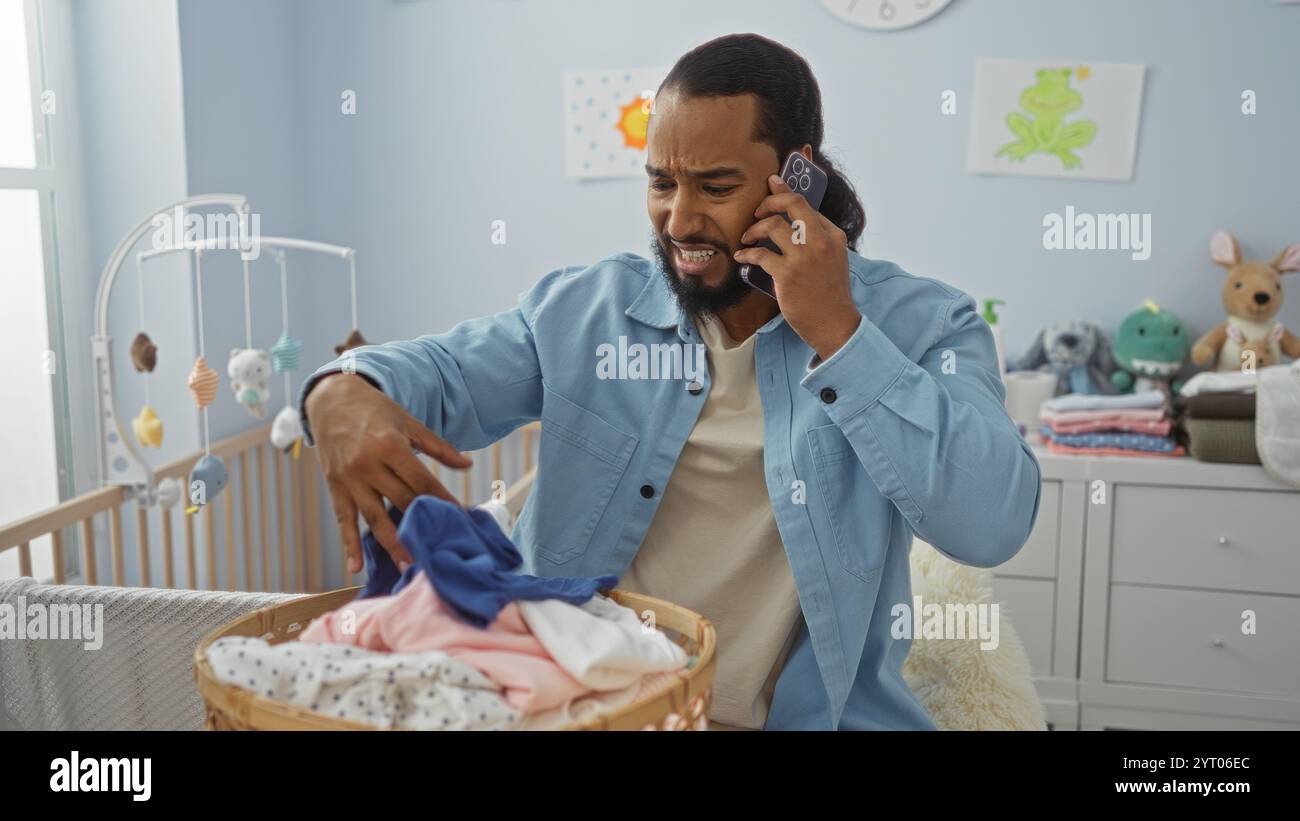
[
  {"x": 1155, "y": 427},
  {"x": 1070, "y": 417},
  {"x": 417, "y": 620},
  {"x": 1055, "y": 448}
]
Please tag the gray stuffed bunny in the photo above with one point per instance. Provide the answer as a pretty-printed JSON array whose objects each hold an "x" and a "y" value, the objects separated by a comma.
[{"x": 1077, "y": 351}]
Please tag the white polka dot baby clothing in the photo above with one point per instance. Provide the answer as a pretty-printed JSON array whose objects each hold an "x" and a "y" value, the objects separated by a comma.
[{"x": 411, "y": 691}]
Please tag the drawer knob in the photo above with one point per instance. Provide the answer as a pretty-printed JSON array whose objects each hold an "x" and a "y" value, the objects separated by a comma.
[
  {"x": 1217, "y": 642},
  {"x": 1223, "y": 541}
]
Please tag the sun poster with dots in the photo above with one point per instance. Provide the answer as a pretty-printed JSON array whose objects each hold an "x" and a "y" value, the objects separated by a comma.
[{"x": 605, "y": 116}]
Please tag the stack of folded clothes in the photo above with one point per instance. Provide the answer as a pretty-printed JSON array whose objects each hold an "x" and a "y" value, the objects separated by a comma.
[
  {"x": 1217, "y": 414},
  {"x": 1136, "y": 424},
  {"x": 460, "y": 640}
]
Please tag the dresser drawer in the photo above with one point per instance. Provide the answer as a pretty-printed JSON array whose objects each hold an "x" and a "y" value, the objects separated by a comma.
[
  {"x": 1192, "y": 638},
  {"x": 1192, "y": 537},
  {"x": 1028, "y": 605},
  {"x": 1037, "y": 559}
]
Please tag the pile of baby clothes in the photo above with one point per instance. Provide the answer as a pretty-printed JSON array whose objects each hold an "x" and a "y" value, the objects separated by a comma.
[
  {"x": 1135, "y": 424},
  {"x": 460, "y": 640},
  {"x": 1217, "y": 415}
]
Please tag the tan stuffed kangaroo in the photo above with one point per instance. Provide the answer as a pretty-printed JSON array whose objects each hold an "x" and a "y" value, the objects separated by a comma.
[{"x": 1252, "y": 296}]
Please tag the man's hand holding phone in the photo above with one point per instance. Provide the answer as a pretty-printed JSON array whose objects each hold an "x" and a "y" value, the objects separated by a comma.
[
  {"x": 811, "y": 278},
  {"x": 365, "y": 443}
]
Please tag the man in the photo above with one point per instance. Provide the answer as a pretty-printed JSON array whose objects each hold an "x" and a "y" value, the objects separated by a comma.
[{"x": 777, "y": 492}]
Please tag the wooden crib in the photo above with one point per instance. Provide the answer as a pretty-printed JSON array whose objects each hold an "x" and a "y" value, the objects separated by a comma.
[{"x": 270, "y": 519}]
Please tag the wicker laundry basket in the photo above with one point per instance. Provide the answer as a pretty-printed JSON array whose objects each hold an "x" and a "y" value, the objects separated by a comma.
[{"x": 683, "y": 705}]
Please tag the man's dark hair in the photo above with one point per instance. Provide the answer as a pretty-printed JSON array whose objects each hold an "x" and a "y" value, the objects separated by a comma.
[{"x": 789, "y": 107}]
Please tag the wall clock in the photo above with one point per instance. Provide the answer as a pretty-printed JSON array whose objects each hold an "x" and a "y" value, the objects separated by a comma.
[{"x": 885, "y": 15}]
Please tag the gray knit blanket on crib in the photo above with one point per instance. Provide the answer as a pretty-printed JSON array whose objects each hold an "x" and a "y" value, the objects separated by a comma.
[{"x": 141, "y": 678}]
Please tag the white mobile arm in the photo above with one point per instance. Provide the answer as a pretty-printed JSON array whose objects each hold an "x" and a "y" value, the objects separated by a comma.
[{"x": 119, "y": 461}]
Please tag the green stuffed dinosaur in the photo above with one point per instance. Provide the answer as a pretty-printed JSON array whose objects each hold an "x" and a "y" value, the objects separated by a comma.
[{"x": 1150, "y": 348}]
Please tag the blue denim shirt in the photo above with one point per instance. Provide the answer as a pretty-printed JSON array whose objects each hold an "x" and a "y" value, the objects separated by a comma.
[{"x": 901, "y": 431}]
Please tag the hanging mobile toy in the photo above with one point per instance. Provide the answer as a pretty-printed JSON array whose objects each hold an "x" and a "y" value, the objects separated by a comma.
[
  {"x": 285, "y": 353},
  {"x": 209, "y": 476},
  {"x": 355, "y": 339},
  {"x": 203, "y": 383},
  {"x": 248, "y": 370},
  {"x": 148, "y": 428},
  {"x": 286, "y": 428},
  {"x": 144, "y": 354},
  {"x": 168, "y": 492},
  {"x": 249, "y": 367}
]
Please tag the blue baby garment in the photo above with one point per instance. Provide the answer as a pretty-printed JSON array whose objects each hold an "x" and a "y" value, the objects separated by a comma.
[
  {"x": 468, "y": 559},
  {"x": 1111, "y": 439}
]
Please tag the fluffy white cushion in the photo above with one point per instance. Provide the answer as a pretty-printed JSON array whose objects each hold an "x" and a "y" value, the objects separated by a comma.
[{"x": 962, "y": 686}]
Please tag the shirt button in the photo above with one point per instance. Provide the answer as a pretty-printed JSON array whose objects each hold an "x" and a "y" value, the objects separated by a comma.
[
  {"x": 647, "y": 491},
  {"x": 694, "y": 388},
  {"x": 828, "y": 395}
]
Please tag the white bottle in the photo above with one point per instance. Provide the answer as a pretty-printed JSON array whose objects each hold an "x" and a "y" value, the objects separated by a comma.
[{"x": 991, "y": 317}]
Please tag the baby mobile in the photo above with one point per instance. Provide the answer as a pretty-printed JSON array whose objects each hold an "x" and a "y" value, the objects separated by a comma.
[
  {"x": 209, "y": 476},
  {"x": 249, "y": 369},
  {"x": 355, "y": 339},
  {"x": 144, "y": 356},
  {"x": 286, "y": 428},
  {"x": 148, "y": 428}
]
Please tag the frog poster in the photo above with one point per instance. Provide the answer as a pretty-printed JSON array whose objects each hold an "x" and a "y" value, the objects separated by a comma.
[
  {"x": 605, "y": 116},
  {"x": 1055, "y": 118}
]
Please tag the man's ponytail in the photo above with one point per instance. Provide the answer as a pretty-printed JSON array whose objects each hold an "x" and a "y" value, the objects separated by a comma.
[{"x": 840, "y": 204}]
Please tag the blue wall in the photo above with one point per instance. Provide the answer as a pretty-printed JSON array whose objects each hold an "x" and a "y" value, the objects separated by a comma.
[{"x": 459, "y": 123}]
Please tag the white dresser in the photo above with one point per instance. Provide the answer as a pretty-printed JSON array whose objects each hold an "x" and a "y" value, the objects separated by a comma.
[{"x": 1130, "y": 594}]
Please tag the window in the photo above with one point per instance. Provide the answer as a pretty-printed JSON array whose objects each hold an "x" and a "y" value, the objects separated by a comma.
[{"x": 33, "y": 416}]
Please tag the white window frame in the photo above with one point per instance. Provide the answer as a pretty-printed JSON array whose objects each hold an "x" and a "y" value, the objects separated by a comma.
[{"x": 54, "y": 178}]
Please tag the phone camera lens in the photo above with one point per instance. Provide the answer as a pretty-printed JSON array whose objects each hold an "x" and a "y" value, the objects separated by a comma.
[
  {"x": 797, "y": 166},
  {"x": 804, "y": 182},
  {"x": 793, "y": 182}
]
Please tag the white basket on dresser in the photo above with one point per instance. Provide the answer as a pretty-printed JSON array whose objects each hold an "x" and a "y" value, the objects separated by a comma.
[{"x": 1130, "y": 604}]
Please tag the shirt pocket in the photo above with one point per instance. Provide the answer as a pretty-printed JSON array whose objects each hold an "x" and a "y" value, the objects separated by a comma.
[
  {"x": 582, "y": 459},
  {"x": 860, "y": 519}
]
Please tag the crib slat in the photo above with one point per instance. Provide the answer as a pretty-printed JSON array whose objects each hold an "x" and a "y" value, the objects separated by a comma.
[
  {"x": 262, "y": 502},
  {"x": 25, "y": 559},
  {"x": 191, "y": 569},
  {"x": 497, "y": 472},
  {"x": 142, "y": 540},
  {"x": 311, "y": 512},
  {"x": 244, "y": 493},
  {"x": 528, "y": 448},
  {"x": 299, "y": 575},
  {"x": 210, "y": 543},
  {"x": 56, "y": 549},
  {"x": 169, "y": 571},
  {"x": 232, "y": 569},
  {"x": 464, "y": 487},
  {"x": 276, "y": 461},
  {"x": 88, "y": 570},
  {"x": 115, "y": 542}
]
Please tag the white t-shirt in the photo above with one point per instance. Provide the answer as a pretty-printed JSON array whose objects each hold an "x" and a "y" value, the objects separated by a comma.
[{"x": 713, "y": 545}]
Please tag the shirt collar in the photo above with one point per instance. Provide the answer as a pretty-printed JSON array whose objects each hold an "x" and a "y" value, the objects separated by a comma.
[{"x": 657, "y": 307}]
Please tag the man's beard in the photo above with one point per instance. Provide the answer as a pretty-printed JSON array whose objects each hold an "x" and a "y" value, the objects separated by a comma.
[{"x": 693, "y": 296}]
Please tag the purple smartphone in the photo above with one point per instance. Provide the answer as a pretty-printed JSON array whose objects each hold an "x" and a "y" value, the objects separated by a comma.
[{"x": 803, "y": 178}]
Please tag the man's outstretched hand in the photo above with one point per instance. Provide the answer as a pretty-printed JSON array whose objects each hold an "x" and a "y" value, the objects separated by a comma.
[{"x": 365, "y": 442}]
